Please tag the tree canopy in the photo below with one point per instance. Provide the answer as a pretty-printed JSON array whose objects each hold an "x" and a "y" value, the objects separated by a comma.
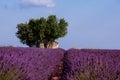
[{"x": 41, "y": 30}]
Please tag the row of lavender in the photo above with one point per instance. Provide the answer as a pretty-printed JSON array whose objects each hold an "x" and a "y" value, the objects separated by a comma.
[
  {"x": 28, "y": 63},
  {"x": 91, "y": 64}
]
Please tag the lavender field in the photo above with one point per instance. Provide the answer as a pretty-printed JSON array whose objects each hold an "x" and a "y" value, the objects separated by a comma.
[
  {"x": 17, "y": 63},
  {"x": 91, "y": 64}
]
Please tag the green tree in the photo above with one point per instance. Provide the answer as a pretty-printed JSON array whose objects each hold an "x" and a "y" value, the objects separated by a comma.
[{"x": 41, "y": 30}]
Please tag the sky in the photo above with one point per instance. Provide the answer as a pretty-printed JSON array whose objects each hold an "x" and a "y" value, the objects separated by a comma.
[{"x": 92, "y": 23}]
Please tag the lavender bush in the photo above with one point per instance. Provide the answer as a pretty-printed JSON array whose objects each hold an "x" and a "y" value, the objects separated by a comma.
[
  {"x": 91, "y": 64},
  {"x": 33, "y": 63}
]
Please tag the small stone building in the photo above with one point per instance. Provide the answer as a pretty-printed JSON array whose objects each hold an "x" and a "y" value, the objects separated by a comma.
[
  {"x": 53, "y": 45},
  {"x": 50, "y": 45}
]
